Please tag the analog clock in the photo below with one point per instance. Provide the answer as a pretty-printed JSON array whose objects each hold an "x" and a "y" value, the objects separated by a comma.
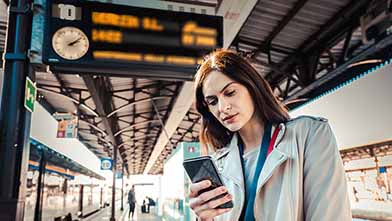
[{"x": 70, "y": 43}]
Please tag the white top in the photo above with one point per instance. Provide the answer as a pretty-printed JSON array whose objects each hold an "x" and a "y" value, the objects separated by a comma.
[{"x": 250, "y": 161}]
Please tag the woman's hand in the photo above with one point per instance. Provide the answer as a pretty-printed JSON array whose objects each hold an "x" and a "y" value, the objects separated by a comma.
[{"x": 204, "y": 208}]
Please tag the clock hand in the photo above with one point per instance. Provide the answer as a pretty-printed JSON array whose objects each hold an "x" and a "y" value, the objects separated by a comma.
[{"x": 74, "y": 42}]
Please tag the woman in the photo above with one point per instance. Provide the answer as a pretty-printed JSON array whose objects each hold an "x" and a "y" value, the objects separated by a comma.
[{"x": 274, "y": 168}]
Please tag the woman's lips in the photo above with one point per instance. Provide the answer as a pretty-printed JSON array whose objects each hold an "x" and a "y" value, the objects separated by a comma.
[{"x": 230, "y": 119}]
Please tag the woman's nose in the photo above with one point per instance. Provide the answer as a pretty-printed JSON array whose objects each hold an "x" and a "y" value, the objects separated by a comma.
[{"x": 224, "y": 106}]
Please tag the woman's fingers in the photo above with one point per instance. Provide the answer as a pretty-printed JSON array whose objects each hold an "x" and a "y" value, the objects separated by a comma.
[
  {"x": 212, "y": 204},
  {"x": 196, "y": 187},
  {"x": 211, "y": 213},
  {"x": 204, "y": 205},
  {"x": 204, "y": 197},
  {"x": 221, "y": 200}
]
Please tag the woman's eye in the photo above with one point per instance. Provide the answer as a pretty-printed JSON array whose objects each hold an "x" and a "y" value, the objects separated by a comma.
[
  {"x": 230, "y": 93},
  {"x": 212, "y": 102}
]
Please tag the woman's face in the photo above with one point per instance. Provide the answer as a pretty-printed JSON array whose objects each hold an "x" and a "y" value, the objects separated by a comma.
[{"x": 229, "y": 101}]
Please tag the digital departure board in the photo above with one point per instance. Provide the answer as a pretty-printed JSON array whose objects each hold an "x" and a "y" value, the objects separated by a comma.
[{"x": 95, "y": 37}]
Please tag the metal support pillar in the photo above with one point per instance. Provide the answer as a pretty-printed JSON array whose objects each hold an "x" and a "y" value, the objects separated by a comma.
[
  {"x": 371, "y": 152},
  {"x": 114, "y": 169},
  {"x": 14, "y": 119},
  {"x": 40, "y": 188},
  {"x": 80, "y": 214},
  {"x": 65, "y": 191},
  {"x": 346, "y": 46},
  {"x": 122, "y": 187},
  {"x": 101, "y": 199}
]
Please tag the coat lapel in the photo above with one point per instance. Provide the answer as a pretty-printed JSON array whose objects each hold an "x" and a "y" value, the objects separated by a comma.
[
  {"x": 232, "y": 168},
  {"x": 274, "y": 159}
]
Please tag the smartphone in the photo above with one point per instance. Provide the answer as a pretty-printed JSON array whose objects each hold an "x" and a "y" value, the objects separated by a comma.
[{"x": 203, "y": 168}]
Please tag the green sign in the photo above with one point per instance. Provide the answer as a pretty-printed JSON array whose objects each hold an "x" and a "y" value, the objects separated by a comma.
[
  {"x": 30, "y": 94},
  {"x": 191, "y": 150}
]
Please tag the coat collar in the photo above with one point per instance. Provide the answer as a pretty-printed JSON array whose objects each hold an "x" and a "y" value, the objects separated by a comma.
[
  {"x": 233, "y": 169},
  {"x": 279, "y": 154}
]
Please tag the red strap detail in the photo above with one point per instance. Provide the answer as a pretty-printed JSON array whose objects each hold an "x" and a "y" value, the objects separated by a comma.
[{"x": 273, "y": 139}]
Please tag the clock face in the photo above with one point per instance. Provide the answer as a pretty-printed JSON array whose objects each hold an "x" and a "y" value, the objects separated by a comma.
[{"x": 70, "y": 43}]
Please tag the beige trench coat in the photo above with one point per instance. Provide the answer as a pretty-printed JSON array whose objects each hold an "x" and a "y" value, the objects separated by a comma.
[{"x": 302, "y": 179}]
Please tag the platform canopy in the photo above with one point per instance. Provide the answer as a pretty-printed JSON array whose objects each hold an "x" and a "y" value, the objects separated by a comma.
[{"x": 302, "y": 47}]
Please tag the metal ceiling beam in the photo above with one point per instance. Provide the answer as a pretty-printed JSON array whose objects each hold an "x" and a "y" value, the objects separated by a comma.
[
  {"x": 162, "y": 129},
  {"x": 383, "y": 44},
  {"x": 137, "y": 148},
  {"x": 273, "y": 66},
  {"x": 181, "y": 106},
  {"x": 134, "y": 103},
  {"x": 354, "y": 47},
  {"x": 43, "y": 85},
  {"x": 95, "y": 127},
  {"x": 62, "y": 86},
  {"x": 139, "y": 71},
  {"x": 329, "y": 34},
  {"x": 140, "y": 114},
  {"x": 169, "y": 109},
  {"x": 103, "y": 104},
  {"x": 346, "y": 46},
  {"x": 133, "y": 111},
  {"x": 265, "y": 46},
  {"x": 287, "y": 18},
  {"x": 70, "y": 98},
  {"x": 135, "y": 138},
  {"x": 151, "y": 116},
  {"x": 99, "y": 89},
  {"x": 134, "y": 125},
  {"x": 142, "y": 130},
  {"x": 308, "y": 68},
  {"x": 48, "y": 106},
  {"x": 143, "y": 144},
  {"x": 141, "y": 88}
]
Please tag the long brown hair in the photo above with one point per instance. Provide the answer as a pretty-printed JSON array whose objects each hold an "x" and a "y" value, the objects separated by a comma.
[{"x": 237, "y": 68}]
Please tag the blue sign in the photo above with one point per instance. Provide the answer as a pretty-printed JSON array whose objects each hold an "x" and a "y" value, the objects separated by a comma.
[
  {"x": 382, "y": 169},
  {"x": 106, "y": 164}
]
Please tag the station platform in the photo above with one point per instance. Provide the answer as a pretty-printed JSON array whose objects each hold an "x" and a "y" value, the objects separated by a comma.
[
  {"x": 379, "y": 210},
  {"x": 105, "y": 215}
]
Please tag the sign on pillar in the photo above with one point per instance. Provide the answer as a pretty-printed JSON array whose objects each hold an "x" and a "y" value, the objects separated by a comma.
[
  {"x": 30, "y": 95},
  {"x": 106, "y": 164},
  {"x": 67, "y": 125}
]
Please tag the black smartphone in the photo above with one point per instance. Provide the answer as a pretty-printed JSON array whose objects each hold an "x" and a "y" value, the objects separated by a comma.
[{"x": 203, "y": 168}]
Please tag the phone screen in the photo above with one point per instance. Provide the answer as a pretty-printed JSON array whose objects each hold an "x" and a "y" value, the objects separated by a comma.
[{"x": 202, "y": 168}]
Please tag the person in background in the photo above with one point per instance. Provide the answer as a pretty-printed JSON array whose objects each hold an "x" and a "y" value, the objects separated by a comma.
[
  {"x": 151, "y": 202},
  {"x": 131, "y": 201},
  {"x": 273, "y": 168},
  {"x": 355, "y": 191},
  {"x": 147, "y": 202}
]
